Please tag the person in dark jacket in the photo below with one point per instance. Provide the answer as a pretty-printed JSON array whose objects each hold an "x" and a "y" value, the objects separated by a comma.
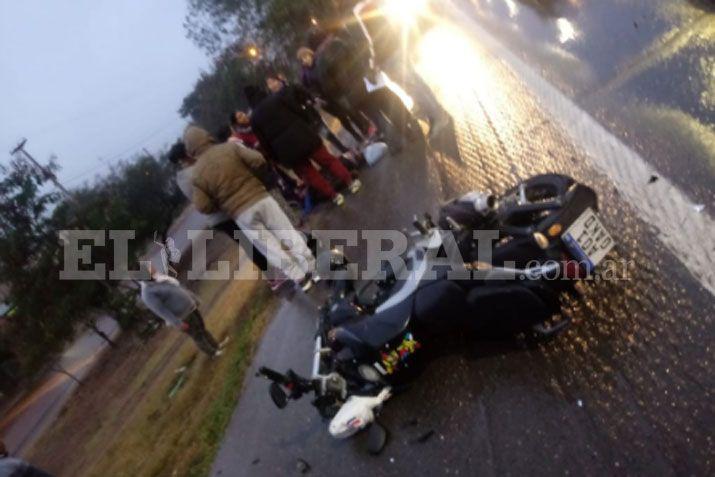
[
  {"x": 14, "y": 467},
  {"x": 354, "y": 123},
  {"x": 283, "y": 126},
  {"x": 343, "y": 68},
  {"x": 310, "y": 106}
]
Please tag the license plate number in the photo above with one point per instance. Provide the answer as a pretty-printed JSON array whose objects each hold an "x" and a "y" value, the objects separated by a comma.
[{"x": 588, "y": 240}]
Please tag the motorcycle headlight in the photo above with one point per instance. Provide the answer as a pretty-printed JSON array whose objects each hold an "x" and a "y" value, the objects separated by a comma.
[{"x": 369, "y": 373}]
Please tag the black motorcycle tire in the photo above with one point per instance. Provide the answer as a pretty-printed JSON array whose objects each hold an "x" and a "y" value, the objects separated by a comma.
[{"x": 537, "y": 187}]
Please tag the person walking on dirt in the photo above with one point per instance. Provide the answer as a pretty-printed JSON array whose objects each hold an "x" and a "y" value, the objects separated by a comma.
[
  {"x": 178, "y": 307},
  {"x": 284, "y": 128},
  {"x": 13, "y": 467},
  {"x": 224, "y": 180}
]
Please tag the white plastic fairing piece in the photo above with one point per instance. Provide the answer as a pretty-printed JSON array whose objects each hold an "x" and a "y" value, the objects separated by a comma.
[{"x": 356, "y": 414}]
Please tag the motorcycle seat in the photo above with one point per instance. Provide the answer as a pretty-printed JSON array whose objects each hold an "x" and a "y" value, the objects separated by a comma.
[{"x": 377, "y": 330}]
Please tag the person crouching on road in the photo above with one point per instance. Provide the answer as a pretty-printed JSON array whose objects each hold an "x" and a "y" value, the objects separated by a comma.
[
  {"x": 284, "y": 128},
  {"x": 178, "y": 307},
  {"x": 224, "y": 180}
]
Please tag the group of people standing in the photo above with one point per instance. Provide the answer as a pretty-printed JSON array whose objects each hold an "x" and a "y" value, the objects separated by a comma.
[{"x": 239, "y": 181}]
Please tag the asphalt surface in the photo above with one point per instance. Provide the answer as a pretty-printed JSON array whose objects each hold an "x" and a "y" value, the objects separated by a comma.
[
  {"x": 26, "y": 421},
  {"x": 628, "y": 390},
  {"x": 643, "y": 68}
]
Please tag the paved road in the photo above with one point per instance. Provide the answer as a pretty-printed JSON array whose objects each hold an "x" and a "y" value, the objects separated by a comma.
[
  {"x": 26, "y": 421},
  {"x": 644, "y": 68},
  {"x": 627, "y": 390}
]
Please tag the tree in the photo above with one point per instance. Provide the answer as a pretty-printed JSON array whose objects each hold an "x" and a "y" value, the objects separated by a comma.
[
  {"x": 27, "y": 259},
  {"x": 137, "y": 195},
  {"x": 278, "y": 26},
  {"x": 218, "y": 94},
  {"x": 224, "y": 29}
]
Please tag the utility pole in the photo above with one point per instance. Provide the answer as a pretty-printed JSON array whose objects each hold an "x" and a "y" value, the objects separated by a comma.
[{"x": 20, "y": 148}]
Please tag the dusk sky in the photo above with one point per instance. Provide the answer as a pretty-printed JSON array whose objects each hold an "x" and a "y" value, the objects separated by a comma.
[{"x": 93, "y": 81}]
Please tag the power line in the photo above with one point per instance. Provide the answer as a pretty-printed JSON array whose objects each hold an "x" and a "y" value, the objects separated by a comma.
[
  {"x": 112, "y": 161},
  {"x": 20, "y": 148}
]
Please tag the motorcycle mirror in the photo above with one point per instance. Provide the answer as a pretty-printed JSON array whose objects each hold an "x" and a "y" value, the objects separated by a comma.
[
  {"x": 278, "y": 395},
  {"x": 376, "y": 438}
]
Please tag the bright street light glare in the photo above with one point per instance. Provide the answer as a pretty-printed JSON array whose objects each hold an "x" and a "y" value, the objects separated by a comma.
[
  {"x": 405, "y": 12},
  {"x": 567, "y": 31},
  {"x": 449, "y": 59}
]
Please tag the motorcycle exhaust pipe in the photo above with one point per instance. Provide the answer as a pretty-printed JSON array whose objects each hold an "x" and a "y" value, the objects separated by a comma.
[{"x": 483, "y": 203}]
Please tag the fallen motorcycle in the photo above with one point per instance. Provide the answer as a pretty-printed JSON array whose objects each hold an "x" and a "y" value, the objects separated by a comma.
[{"x": 549, "y": 236}]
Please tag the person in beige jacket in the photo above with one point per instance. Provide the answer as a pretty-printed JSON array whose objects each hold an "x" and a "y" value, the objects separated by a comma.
[{"x": 224, "y": 180}]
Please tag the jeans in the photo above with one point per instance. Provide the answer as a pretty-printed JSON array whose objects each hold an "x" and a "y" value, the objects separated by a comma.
[{"x": 198, "y": 332}]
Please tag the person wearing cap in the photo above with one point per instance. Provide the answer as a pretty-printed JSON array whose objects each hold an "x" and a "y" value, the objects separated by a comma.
[
  {"x": 283, "y": 125},
  {"x": 225, "y": 180},
  {"x": 14, "y": 467},
  {"x": 178, "y": 307}
]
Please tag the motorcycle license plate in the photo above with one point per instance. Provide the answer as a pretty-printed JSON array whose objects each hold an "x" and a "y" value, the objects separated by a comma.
[{"x": 588, "y": 240}]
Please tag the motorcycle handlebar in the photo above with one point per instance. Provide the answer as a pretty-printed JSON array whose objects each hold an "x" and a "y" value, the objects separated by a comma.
[
  {"x": 274, "y": 376},
  {"x": 297, "y": 384}
]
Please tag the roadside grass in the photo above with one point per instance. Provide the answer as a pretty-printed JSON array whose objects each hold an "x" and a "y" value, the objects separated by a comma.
[{"x": 122, "y": 421}]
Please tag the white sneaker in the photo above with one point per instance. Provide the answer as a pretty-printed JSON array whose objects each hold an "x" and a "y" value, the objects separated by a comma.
[
  {"x": 339, "y": 200},
  {"x": 355, "y": 186},
  {"x": 307, "y": 283}
]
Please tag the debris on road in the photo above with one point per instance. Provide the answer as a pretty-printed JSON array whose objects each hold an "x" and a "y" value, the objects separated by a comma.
[
  {"x": 302, "y": 466},
  {"x": 699, "y": 208},
  {"x": 424, "y": 437},
  {"x": 653, "y": 179},
  {"x": 579, "y": 403}
]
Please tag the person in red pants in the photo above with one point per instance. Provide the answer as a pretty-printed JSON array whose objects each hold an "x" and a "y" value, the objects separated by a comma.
[
  {"x": 315, "y": 180},
  {"x": 282, "y": 123}
]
